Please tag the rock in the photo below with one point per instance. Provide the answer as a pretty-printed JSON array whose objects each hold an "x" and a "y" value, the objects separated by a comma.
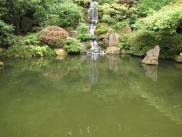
[
  {"x": 60, "y": 52},
  {"x": 1, "y": 64},
  {"x": 178, "y": 59},
  {"x": 127, "y": 30},
  {"x": 53, "y": 36},
  {"x": 113, "y": 40},
  {"x": 113, "y": 50},
  {"x": 1, "y": 50},
  {"x": 73, "y": 34},
  {"x": 152, "y": 56}
]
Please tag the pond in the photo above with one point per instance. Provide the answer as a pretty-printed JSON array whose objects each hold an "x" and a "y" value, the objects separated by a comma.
[{"x": 84, "y": 96}]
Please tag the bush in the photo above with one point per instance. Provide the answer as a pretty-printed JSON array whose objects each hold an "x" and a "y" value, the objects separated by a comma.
[
  {"x": 32, "y": 39},
  {"x": 72, "y": 46},
  {"x": 83, "y": 31},
  {"x": 6, "y": 34},
  {"x": 101, "y": 28},
  {"x": 28, "y": 51},
  {"x": 146, "y": 7},
  {"x": 166, "y": 20},
  {"x": 53, "y": 36},
  {"x": 63, "y": 14},
  {"x": 140, "y": 42}
]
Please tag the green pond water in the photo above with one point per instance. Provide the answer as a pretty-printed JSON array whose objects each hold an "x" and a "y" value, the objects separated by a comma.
[{"x": 81, "y": 96}]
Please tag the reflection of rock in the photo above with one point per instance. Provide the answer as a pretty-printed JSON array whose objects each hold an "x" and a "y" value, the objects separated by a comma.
[
  {"x": 113, "y": 62},
  {"x": 113, "y": 50},
  {"x": 178, "y": 65},
  {"x": 152, "y": 56},
  {"x": 178, "y": 59},
  {"x": 150, "y": 71},
  {"x": 60, "y": 53}
]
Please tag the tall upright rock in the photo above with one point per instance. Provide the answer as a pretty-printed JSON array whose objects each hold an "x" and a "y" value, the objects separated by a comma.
[{"x": 152, "y": 56}]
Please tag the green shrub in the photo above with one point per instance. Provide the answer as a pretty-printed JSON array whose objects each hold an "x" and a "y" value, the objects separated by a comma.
[
  {"x": 108, "y": 19},
  {"x": 102, "y": 28},
  {"x": 166, "y": 20},
  {"x": 83, "y": 31},
  {"x": 180, "y": 54},
  {"x": 6, "y": 34},
  {"x": 146, "y": 7},
  {"x": 72, "y": 45},
  {"x": 140, "y": 42},
  {"x": 63, "y": 14},
  {"x": 32, "y": 39},
  {"x": 28, "y": 51}
]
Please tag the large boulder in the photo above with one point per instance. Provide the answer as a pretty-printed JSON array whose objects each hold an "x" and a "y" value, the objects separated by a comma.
[
  {"x": 60, "y": 52},
  {"x": 152, "y": 56},
  {"x": 53, "y": 36},
  {"x": 113, "y": 40},
  {"x": 1, "y": 64},
  {"x": 73, "y": 34},
  {"x": 113, "y": 50},
  {"x": 178, "y": 59}
]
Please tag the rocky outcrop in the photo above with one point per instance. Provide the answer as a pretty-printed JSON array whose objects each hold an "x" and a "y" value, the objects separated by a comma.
[
  {"x": 113, "y": 50},
  {"x": 152, "y": 56},
  {"x": 60, "y": 52},
  {"x": 1, "y": 64},
  {"x": 53, "y": 36},
  {"x": 178, "y": 59},
  {"x": 73, "y": 34},
  {"x": 113, "y": 40},
  {"x": 109, "y": 39},
  {"x": 127, "y": 30}
]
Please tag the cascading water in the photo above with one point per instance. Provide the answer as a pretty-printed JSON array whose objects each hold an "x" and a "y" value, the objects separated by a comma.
[{"x": 93, "y": 16}]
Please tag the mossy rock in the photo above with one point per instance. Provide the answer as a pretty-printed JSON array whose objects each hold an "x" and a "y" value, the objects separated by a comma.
[{"x": 1, "y": 64}]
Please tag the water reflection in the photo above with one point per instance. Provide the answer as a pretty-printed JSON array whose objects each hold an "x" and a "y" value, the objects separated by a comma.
[
  {"x": 113, "y": 62},
  {"x": 81, "y": 96},
  {"x": 94, "y": 70},
  {"x": 150, "y": 71}
]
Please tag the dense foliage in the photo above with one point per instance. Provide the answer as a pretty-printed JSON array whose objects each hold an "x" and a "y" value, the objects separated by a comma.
[
  {"x": 6, "y": 34},
  {"x": 72, "y": 46},
  {"x": 66, "y": 14},
  {"x": 26, "y": 25},
  {"x": 167, "y": 19},
  {"x": 28, "y": 51}
]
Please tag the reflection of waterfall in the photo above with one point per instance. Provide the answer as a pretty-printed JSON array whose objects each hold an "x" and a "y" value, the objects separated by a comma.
[{"x": 94, "y": 69}]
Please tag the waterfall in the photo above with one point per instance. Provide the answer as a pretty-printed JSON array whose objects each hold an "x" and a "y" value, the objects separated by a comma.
[{"x": 93, "y": 16}]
